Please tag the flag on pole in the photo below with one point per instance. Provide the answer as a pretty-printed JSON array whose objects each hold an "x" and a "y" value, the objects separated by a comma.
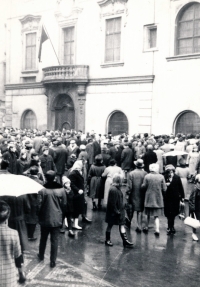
[{"x": 43, "y": 38}]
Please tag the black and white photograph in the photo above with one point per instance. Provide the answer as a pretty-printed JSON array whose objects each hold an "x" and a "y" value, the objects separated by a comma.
[{"x": 99, "y": 143}]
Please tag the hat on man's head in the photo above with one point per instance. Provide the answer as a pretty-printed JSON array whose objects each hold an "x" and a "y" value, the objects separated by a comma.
[
  {"x": 50, "y": 175},
  {"x": 139, "y": 163}
]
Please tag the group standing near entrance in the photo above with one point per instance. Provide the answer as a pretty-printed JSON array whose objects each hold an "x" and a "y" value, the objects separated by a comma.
[{"x": 123, "y": 175}]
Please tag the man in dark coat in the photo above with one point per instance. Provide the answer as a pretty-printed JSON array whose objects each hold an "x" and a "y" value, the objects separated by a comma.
[
  {"x": 60, "y": 161},
  {"x": 52, "y": 206},
  {"x": 47, "y": 162},
  {"x": 126, "y": 159},
  {"x": 37, "y": 142},
  {"x": 11, "y": 157},
  {"x": 149, "y": 157},
  {"x": 32, "y": 218},
  {"x": 72, "y": 152},
  {"x": 105, "y": 156}
]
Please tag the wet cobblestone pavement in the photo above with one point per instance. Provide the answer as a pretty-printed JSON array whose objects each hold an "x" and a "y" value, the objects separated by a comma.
[{"x": 167, "y": 261}]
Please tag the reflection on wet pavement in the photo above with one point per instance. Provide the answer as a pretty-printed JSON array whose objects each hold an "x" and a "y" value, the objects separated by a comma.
[{"x": 86, "y": 261}]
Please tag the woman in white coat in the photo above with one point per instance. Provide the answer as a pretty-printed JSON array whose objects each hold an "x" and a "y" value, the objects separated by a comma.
[{"x": 109, "y": 173}]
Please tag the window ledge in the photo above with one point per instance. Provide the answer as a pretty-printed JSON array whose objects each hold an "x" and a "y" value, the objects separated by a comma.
[
  {"x": 183, "y": 57},
  {"x": 113, "y": 64},
  {"x": 150, "y": 50},
  {"x": 29, "y": 71}
]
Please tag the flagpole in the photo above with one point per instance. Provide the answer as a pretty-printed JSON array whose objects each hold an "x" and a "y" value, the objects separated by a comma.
[{"x": 51, "y": 43}]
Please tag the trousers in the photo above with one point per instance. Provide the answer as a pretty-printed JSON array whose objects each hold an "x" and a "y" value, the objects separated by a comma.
[{"x": 54, "y": 235}]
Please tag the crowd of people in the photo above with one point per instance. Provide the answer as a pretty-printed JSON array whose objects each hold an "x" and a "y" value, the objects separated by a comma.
[{"x": 150, "y": 172}]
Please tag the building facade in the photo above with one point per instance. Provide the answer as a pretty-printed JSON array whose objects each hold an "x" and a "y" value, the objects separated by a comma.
[{"x": 105, "y": 65}]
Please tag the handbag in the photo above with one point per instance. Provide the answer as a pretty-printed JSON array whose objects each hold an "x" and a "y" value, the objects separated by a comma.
[
  {"x": 192, "y": 222},
  {"x": 182, "y": 211}
]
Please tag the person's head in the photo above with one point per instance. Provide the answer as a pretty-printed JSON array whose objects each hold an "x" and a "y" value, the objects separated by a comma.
[
  {"x": 98, "y": 159},
  {"x": 154, "y": 167},
  {"x": 4, "y": 211},
  {"x": 166, "y": 140},
  {"x": 4, "y": 164},
  {"x": 34, "y": 170},
  {"x": 72, "y": 143},
  {"x": 117, "y": 179},
  {"x": 45, "y": 150},
  {"x": 78, "y": 165},
  {"x": 66, "y": 182},
  {"x": 112, "y": 162},
  {"x": 12, "y": 148},
  {"x": 139, "y": 144},
  {"x": 139, "y": 163},
  {"x": 35, "y": 156},
  {"x": 50, "y": 175},
  {"x": 169, "y": 169},
  {"x": 82, "y": 147},
  {"x": 149, "y": 147}
]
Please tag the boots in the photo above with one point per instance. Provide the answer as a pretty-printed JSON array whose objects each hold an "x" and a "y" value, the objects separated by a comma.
[
  {"x": 126, "y": 243},
  {"x": 76, "y": 226},
  {"x": 94, "y": 206},
  {"x": 108, "y": 242}
]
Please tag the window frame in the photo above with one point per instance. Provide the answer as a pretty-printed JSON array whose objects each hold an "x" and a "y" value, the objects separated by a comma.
[
  {"x": 74, "y": 41},
  {"x": 146, "y": 39},
  {"x": 24, "y": 69},
  {"x": 180, "y": 14},
  {"x": 105, "y": 64}
]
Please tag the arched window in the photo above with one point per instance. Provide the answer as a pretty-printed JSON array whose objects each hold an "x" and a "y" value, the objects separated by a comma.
[
  {"x": 118, "y": 123},
  {"x": 28, "y": 120},
  {"x": 188, "y": 30},
  {"x": 188, "y": 122}
]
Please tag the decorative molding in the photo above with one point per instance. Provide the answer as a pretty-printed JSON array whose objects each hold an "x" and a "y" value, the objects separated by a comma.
[
  {"x": 81, "y": 90},
  {"x": 29, "y": 71},
  {"x": 81, "y": 102},
  {"x": 71, "y": 19},
  {"x": 114, "y": 64},
  {"x": 183, "y": 57},
  {"x": 122, "y": 80},
  {"x": 30, "y": 23},
  {"x": 23, "y": 86},
  {"x": 113, "y": 8}
]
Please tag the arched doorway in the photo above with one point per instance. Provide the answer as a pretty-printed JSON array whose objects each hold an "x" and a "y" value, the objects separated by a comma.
[
  {"x": 118, "y": 123},
  {"x": 187, "y": 122},
  {"x": 28, "y": 120},
  {"x": 64, "y": 112}
]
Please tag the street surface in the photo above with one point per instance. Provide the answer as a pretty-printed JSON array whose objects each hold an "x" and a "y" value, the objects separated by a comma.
[{"x": 85, "y": 261}]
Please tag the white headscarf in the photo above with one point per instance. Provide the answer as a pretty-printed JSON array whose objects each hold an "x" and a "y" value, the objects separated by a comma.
[{"x": 78, "y": 165}]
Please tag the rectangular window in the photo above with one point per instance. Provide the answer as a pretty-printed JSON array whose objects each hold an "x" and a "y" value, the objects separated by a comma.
[
  {"x": 30, "y": 62},
  {"x": 152, "y": 37},
  {"x": 69, "y": 46},
  {"x": 113, "y": 40}
]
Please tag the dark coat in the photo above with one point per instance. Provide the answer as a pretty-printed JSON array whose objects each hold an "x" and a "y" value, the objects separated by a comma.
[
  {"x": 112, "y": 152},
  {"x": 70, "y": 152},
  {"x": 127, "y": 159},
  {"x": 77, "y": 183},
  {"x": 118, "y": 155},
  {"x": 172, "y": 196},
  {"x": 32, "y": 217},
  {"x": 11, "y": 157},
  {"x": 96, "y": 183},
  {"x": 52, "y": 202},
  {"x": 149, "y": 158},
  {"x": 19, "y": 207},
  {"x": 47, "y": 163},
  {"x": 60, "y": 159},
  {"x": 115, "y": 212},
  {"x": 106, "y": 159},
  {"x": 96, "y": 149},
  {"x": 22, "y": 166}
]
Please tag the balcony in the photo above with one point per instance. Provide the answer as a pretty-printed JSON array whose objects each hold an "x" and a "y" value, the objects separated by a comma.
[{"x": 66, "y": 74}]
